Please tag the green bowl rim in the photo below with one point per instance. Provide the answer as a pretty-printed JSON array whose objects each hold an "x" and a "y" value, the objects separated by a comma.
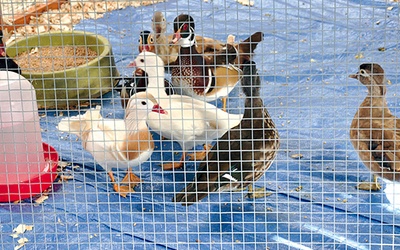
[{"x": 93, "y": 62}]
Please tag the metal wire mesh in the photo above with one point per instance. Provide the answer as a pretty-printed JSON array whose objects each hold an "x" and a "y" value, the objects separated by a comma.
[{"x": 309, "y": 197}]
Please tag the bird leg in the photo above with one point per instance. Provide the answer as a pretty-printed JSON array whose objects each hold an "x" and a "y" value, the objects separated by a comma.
[
  {"x": 224, "y": 99},
  {"x": 174, "y": 165},
  {"x": 200, "y": 155},
  {"x": 370, "y": 186},
  {"x": 121, "y": 190},
  {"x": 257, "y": 193}
]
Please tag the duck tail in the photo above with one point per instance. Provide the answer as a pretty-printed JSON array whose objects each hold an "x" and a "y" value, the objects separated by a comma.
[
  {"x": 251, "y": 80},
  {"x": 193, "y": 193},
  {"x": 80, "y": 123}
]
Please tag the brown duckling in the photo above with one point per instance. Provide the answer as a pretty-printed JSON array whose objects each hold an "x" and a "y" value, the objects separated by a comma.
[
  {"x": 162, "y": 47},
  {"x": 375, "y": 132}
]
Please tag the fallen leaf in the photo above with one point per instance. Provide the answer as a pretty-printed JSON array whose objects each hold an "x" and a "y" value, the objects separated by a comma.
[
  {"x": 298, "y": 189},
  {"x": 14, "y": 235},
  {"x": 34, "y": 51},
  {"x": 246, "y": 2},
  {"x": 41, "y": 199},
  {"x": 22, "y": 241},
  {"x": 18, "y": 247},
  {"x": 66, "y": 177},
  {"x": 63, "y": 164},
  {"x": 296, "y": 156},
  {"x": 20, "y": 229},
  {"x": 359, "y": 56}
]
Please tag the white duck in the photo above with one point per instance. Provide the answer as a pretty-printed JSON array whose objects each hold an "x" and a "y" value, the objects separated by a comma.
[
  {"x": 117, "y": 143},
  {"x": 188, "y": 121}
]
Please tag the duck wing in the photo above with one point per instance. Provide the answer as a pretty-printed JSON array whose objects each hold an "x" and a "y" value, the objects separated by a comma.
[
  {"x": 377, "y": 144},
  {"x": 211, "y": 172}
]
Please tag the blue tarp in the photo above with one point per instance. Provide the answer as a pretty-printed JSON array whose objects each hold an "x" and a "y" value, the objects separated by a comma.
[{"x": 309, "y": 50}]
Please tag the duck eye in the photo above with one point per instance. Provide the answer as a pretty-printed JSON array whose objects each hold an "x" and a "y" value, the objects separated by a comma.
[
  {"x": 151, "y": 40},
  {"x": 142, "y": 60},
  {"x": 144, "y": 103},
  {"x": 363, "y": 73}
]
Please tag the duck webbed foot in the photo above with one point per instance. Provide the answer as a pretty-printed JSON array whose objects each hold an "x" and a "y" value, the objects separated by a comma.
[
  {"x": 257, "y": 193},
  {"x": 123, "y": 191},
  {"x": 200, "y": 155},
  {"x": 129, "y": 178},
  {"x": 224, "y": 101},
  {"x": 370, "y": 186},
  {"x": 172, "y": 165},
  {"x": 175, "y": 165}
]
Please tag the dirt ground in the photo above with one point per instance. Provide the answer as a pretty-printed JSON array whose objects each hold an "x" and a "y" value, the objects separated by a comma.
[{"x": 62, "y": 19}]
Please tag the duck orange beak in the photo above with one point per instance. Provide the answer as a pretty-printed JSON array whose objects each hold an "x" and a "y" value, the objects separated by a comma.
[
  {"x": 176, "y": 37},
  {"x": 158, "y": 109}
]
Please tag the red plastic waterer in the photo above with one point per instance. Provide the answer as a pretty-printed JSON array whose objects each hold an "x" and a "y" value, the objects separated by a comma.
[{"x": 27, "y": 165}]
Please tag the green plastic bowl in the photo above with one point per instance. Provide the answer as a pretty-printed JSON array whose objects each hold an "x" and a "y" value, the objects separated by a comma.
[{"x": 74, "y": 86}]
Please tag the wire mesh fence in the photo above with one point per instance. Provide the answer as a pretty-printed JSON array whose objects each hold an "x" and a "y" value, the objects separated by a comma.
[{"x": 114, "y": 131}]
